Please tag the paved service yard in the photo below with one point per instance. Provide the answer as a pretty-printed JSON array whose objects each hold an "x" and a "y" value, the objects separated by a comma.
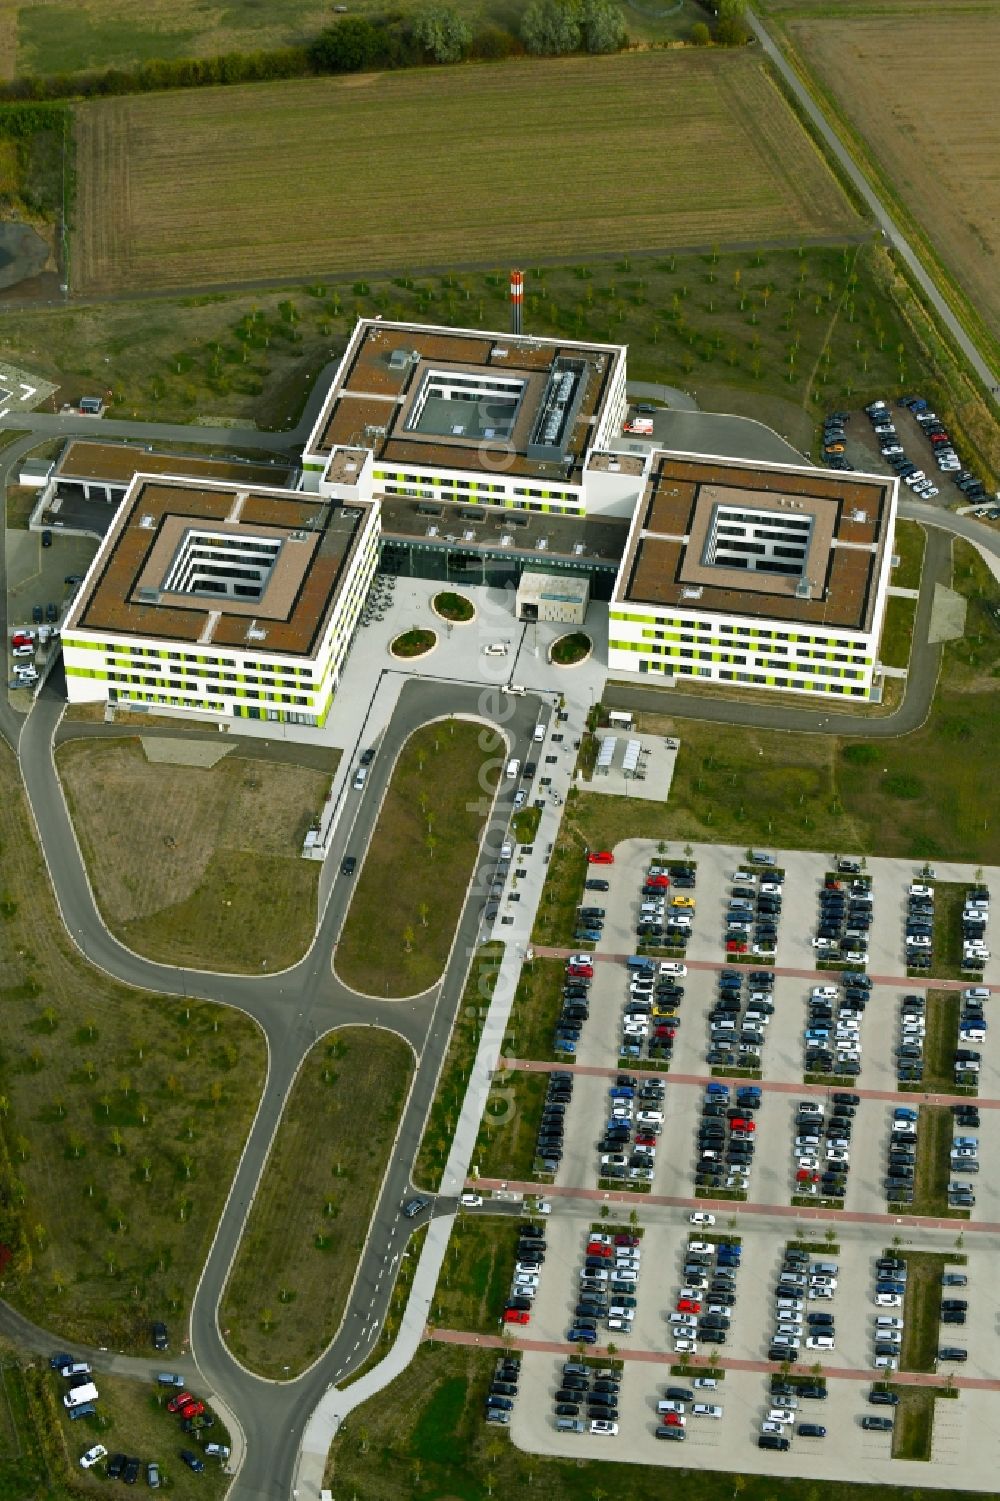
[{"x": 966, "y": 1441}]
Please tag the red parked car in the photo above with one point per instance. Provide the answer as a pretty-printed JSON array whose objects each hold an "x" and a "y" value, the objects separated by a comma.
[
  {"x": 181, "y": 1400},
  {"x": 580, "y": 971},
  {"x": 517, "y": 1316},
  {"x": 192, "y": 1410},
  {"x": 688, "y": 1305},
  {"x": 601, "y": 857},
  {"x": 598, "y": 1249}
]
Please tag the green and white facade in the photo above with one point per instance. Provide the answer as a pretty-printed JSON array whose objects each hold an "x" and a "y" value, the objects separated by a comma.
[{"x": 276, "y": 656}]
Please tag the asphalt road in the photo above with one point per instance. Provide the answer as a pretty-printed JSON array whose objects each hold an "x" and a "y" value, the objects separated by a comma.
[{"x": 883, "y": 218}]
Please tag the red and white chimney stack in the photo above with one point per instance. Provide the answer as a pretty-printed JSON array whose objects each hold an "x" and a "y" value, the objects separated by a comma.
[{"x": 516, "y": 300}]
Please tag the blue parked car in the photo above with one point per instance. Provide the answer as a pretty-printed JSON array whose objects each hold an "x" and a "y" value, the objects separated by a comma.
[
  {"x": 582, "y": 1336},
  {"x": 622, "y": 1092},
  {"x": 722, "y": 1090}
]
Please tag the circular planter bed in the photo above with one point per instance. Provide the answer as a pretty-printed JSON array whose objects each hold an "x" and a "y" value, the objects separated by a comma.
[
  {"x": 453, "y": 607},
  {"x": 413, "y": 644},
  {"x": 570, "y": 651}
]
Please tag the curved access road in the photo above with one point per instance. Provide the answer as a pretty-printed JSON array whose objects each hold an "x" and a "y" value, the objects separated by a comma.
[
  {"x": 293, "y": 1009},
  {"x": 831, "y": 140}
]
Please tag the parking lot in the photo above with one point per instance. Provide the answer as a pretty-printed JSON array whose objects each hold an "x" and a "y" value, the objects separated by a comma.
[
  {"x": 794, "y": 1143},
  {"x": 965, "y": 1448}
]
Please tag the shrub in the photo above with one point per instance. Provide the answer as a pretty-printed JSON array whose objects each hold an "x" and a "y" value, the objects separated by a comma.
[
  {"x": 349, "y": 46},
  {"x": 732, "y": 31},
  {"x": 700, "y": 34},
  {"x": 493, "y": 43},
  {"x": 860, "y": 754}
]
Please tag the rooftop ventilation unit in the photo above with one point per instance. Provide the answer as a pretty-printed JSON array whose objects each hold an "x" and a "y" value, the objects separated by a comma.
[
  {"x": 803, "y": 589},
  {"x": 298, "y": 536},
  {"x": 859, "y": 515},
  {"x": 469, "y": 536},
  {"x": 432, "y": 531},
  {"x": 543, "y": 543},
  {"x": 372, "y": 430},
  {"x": 148, "y": 596},
  {"x": 579, "y": 548},
  {"x": 148, "y": 523},
  {"x": 692, "y": 592},
  {"x": 255, "y": 633},
  {"x": 506, "y": 540}
]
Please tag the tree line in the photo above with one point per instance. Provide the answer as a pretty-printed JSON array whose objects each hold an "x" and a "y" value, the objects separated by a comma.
[{"x": 434, "y": 34}]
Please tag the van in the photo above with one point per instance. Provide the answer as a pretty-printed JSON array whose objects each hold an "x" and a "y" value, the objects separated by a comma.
[
  {"x": 217, "y": 1451},
  {"x": 80, "y": 1394},
  {"x": 517, "y": 689},
  {"x": 513, "y": 767},
  {"x": 507, "y": 850},
  {"x": 360, "y": 777},
  {"x": 824, "y": 1269},
  {"x": 76, "y": 1368},
  {"x": 538, "y": 734},
  {"x": 759, "y": 857},
  {"x": 569, "y": 1425},
  {"x": 638, "y": 964},
  {"x": 495, "y": 649}
]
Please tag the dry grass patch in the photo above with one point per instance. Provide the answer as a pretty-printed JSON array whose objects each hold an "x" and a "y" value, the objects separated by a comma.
[
  {"x": 121, "y": 1119},
  {"x": 189, "y": 170},
  {"x": 288, "y": 1288},
  {"x": 194, "y": 865},
  {"x": 401, "y": 922}
]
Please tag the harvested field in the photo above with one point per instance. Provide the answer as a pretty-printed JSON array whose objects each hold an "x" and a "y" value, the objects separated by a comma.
[
  {"x": 195, "y": 865},
  {"x": 386, "y": 170},
  {"x": 926, "y": 119}
]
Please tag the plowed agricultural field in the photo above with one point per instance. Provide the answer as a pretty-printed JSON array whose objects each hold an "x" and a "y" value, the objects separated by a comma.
[
  {"x": 461, "y": 165},
  {"x": 921, "y": 90}
]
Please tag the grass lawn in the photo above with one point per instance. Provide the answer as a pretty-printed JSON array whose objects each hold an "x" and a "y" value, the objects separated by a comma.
[
  {"x": 923, "y": 1331},
  {"x": 897, "y": 633},
  {"x": 422, "y": 851},
  {"x": 930, "y": 1189},
  {"x": 456, "y": 1070},
  {"x": 943, "y": 1007},
  {"x": 949, "y": 901},
  {"x": 123, "y": 1115},
  {"x": 193, "y": 865},
  {"x": 476, "y": 1274},
  {"x": 288, "y": 1288},
  {"x": 728, "y": 160},
  {"x": 21, "y": 501},
  {"x": 913, "y": 1421},
  {"x": 563, "y": 890},
  {"x": 453, "y": 606},
  {"x": 429, "y": 1423},
  {"x": 133, "y": 1418},
  {"x": 505, "y": 1146},
  {"x": 909, "y": 541},
  {"x": 537, "y": 1004}
]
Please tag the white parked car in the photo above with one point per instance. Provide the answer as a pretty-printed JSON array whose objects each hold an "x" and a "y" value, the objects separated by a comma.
[
  {"x": 699, "y": 1216},
  {"x": 88, "y": 1460}
]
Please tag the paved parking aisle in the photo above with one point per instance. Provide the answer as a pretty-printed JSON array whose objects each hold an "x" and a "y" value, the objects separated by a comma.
[
  {"x": 586, "y": 1113},
  {"x": 890, "y": 878},
  {"x": 771, "y": 1177},
  {"x": 783, "y": 1055},
  {"x": 599, "y": 1040},
  {"x": 880, "y": 1037},
  {"x": 675, "y": 1153},
  {"x": 803, "y": 878},
  {"x": 869, "y": 1145}
]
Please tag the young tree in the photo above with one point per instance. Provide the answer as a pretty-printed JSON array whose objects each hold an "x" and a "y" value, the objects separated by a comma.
[
  {"x": 551, "y": 27},
  {"x": 604, "y": 27},
  {"x": 700, "y": 34},
  {"x": 442, "y": 33}
]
